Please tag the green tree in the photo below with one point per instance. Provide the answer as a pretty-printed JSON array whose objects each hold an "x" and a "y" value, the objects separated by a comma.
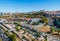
[
  {"x": 46, "y": 38},
  {"x": 7, "y": 33},
  {"x": 23, "y": 37},
  {"x": 52, "y": 29},
  {"x": 17, "y": 28},
  {"x": 1, "y": 27},
  {"x": 58, "y": 30},
  {"x": 12, "y": 37},
  {"x": 0, "y": 39},
  {"x": 37, "y": 34},
  {"x": 41, "y": 13},
  {"x": 33, "y": 39},
  {"x": 45, "y": 20}
]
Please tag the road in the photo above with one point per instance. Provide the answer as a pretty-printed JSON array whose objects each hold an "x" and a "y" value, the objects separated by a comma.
[
  {"x": 50, "y": 37},
  {"x": 50, "y": 21},
  {"x": 14, "y": 31},
  {"x": 3, "y": 36}
]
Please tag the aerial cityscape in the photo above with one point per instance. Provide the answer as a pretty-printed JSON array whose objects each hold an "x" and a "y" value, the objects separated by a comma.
[{"x": 29, "y": 20}]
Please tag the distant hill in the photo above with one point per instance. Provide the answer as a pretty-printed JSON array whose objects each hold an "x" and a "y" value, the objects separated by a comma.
[{"x": 52, "y": 12}]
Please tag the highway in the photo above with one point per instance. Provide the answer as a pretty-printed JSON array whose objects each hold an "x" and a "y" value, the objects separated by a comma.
[
  {"x": 2, "y": 35},
  {"x": 8, "y": 28},
  {"x": 14, "y": 31},
  {"x": 50, "y": 37}
]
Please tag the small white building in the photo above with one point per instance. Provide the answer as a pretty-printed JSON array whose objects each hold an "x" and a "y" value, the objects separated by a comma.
[
  {"x": 3, "y": 20},
  {"x": 35, "y": 19}
]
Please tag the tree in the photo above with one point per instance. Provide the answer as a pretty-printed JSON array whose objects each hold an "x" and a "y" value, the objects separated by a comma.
[
  {"x": 46, "y": 38},
  {"x": 41, "y": 13},
  {"x": 1, "y": 27},
  {"x": 23, "y": 37},
  {"x": 12, "y": 37},
  {"x": 35, "y": 23},
  {"x": 45, "y": 20},
  {"x": 38, "y": 14},
  {"x": 33, "y": 39},
  {"x": 52, "y": 29},
  {"x": 0, "y": 39},
  {"x": 17, "y": 28},
  {"x": 37, "y": 34},
  {"x": 7, "y": 33},
  {"x": 58, "y": 30}
]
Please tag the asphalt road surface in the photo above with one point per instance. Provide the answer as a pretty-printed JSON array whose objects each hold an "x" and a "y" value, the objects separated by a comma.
[{"x": 3, "y": 36}]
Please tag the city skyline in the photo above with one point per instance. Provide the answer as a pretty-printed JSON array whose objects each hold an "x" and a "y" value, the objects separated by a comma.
[{"x": 28, "y": 5}]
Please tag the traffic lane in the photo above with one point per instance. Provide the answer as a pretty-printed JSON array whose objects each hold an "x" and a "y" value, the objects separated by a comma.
[{"x": 3, "y": 36}]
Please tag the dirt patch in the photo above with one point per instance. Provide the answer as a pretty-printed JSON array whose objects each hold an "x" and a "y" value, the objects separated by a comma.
[{"x": 44, "y": 28}]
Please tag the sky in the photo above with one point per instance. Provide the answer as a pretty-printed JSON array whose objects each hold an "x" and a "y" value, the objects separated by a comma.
[{"x": 28, "y": 5}]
